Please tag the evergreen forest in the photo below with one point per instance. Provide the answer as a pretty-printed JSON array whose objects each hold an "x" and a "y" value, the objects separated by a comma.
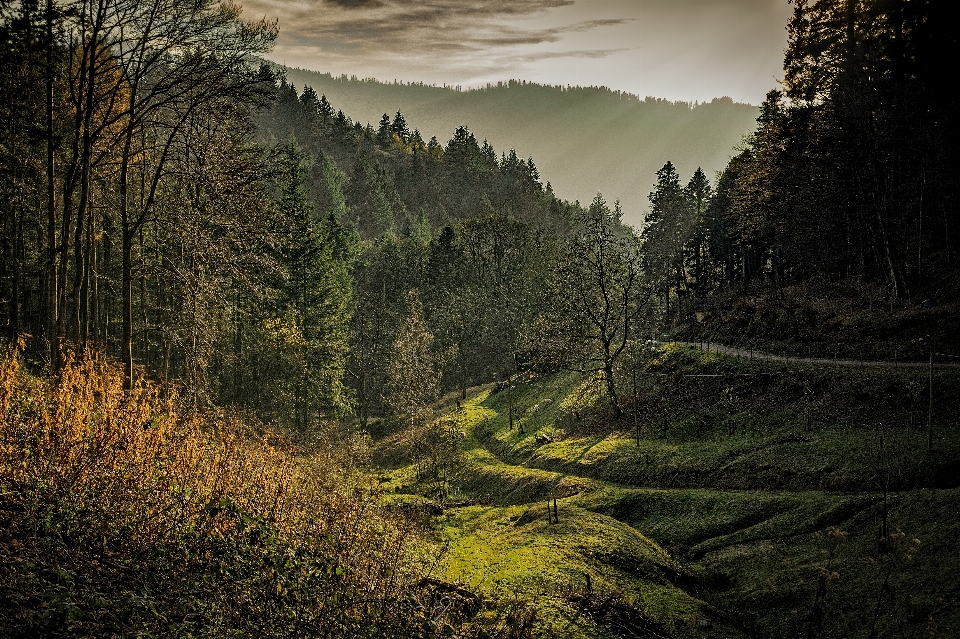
[
  {"x": 270, "y": 369},
  {"x": 584, "y": 139}
]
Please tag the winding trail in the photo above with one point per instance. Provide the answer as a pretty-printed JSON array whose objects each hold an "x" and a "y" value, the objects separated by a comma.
[{"x": 751, "y": 354}]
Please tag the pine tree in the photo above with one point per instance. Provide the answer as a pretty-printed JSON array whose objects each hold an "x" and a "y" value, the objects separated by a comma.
[
  {"x": 383, "y": 130},
  {"x": 310, "y": 101},
  {"x": 663, "y": 233},
  {"x": 325, "y": 110},
  {"x": 368, "y": 204},
  {"x": 399, "y": 128},
  {"x": 318, "y": 301},
  {"x": 697, "y": 194}
]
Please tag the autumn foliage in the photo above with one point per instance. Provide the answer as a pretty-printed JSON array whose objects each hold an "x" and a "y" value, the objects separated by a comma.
[{"x": 127, "y": 513}]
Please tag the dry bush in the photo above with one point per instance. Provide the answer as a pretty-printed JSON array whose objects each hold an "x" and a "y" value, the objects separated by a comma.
[{"x": 123, "y": 513}]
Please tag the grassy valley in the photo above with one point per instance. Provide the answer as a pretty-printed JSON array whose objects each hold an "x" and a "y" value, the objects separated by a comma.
[{"x": 826, "y": 517}]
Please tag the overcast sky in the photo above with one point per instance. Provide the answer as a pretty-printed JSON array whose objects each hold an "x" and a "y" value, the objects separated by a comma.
[{"x": 675, "y": 49}]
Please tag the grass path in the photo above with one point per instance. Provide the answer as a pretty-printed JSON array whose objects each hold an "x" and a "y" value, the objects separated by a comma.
[{"x": 757, "y": 355}]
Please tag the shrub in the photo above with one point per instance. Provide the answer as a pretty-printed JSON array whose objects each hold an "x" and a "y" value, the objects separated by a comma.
[{"x": 125, "y": 513}]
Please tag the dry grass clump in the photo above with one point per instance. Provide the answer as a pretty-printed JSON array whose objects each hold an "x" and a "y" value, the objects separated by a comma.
[
  {"x": 81, "y": 437},
  {"x": 124, "y": 513}
]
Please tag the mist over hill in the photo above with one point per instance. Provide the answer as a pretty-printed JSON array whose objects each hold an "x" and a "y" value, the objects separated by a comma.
[{"x": 583, "y": 140}]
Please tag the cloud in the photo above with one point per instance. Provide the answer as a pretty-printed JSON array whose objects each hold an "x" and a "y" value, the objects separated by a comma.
[
  {"x": 353, "y": 4},
  {"x": 729, "y": 47},
  {"x": 510, "y": 36},
  {"x": 377, "y": 28},
  {"x": 583, "y": 54}
]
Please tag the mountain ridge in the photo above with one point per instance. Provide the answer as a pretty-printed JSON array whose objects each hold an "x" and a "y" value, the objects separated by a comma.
[{"x": 582, "y": 139}]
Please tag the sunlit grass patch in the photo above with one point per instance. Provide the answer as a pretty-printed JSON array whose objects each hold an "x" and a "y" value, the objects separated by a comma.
[
  {"x": 490, "y": 479},
  {"x": 565, "y": 452},
  {"x": 737, "y": 474},
  {"x": 515, "y": 548}
]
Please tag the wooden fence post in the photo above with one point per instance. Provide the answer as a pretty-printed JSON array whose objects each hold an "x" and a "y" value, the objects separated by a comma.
[
  {"x": 930, "y": 408},
  {"x": 636, "y": 408}
]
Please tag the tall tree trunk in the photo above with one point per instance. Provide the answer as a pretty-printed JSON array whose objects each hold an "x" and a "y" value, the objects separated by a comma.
[
  {"x": 93, "y": 283},
  {"x": 83, "y": 333},
  {"x": 611, "y": 390},
  {"x": 50, "y": 299},
  {"x": 145, "y": 352},
  {"x": 15, "y": 285},
  {"x": 86, "y": 146},
  {"x": 127, "y": 231},
  {"x": 126, "y": 338},
  {"x": 79, "y": 257}
]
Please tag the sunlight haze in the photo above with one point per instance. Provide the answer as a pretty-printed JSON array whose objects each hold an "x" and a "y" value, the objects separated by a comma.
[{"x": 690, "y": 50}]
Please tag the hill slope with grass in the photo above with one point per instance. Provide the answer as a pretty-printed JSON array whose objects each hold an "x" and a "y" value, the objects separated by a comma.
[{"x": 735, "y": 498}]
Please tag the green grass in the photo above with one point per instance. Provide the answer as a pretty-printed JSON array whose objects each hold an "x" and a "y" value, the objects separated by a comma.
[
  {"x": 773, "y": 582},
  {"x": 795, "y": 429},
  {"x": 695, "y": 521},
  {"x": 753, "y": 499},
  {"x": 515, "y": 549}
]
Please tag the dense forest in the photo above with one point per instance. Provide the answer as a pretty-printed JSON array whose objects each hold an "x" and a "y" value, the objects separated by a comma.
[
  {"x": 196, "y": 218},
  {"x": 851, "y": 172},
  {"x": 194, "y": 214},
  {"x": 849, "y": 178},
  {"x": 204, "y": 267},
  {"x": 584, "y": 139}
]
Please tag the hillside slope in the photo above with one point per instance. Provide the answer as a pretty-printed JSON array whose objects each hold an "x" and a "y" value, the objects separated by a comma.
[
  {"x": 584, "y": 140},
  {"x": 761, "y": 500}
]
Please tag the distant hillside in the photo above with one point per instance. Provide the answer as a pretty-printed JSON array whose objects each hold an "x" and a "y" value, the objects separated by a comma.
[{"x": 583, "y": 140}]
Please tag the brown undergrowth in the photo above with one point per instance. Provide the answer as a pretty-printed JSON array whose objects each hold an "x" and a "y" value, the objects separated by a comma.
[{"x": 123, "y": 513}]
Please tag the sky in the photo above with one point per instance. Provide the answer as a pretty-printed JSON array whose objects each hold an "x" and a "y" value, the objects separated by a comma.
[{"x": 690, "y": 50}]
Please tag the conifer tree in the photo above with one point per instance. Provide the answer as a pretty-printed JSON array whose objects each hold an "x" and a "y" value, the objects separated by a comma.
[
  {"x": 663, "y": 233},
  {"x": 697, "y": 194},
  {"x": 399, "y": 128},
  {"x": 383, "y": 130}
]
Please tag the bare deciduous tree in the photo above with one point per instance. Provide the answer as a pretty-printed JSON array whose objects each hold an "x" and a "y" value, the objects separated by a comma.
[{"x": 600, "y": 295}]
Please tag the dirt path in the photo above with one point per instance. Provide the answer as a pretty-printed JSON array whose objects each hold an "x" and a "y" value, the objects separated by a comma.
[{"x": 751, "y": 354}]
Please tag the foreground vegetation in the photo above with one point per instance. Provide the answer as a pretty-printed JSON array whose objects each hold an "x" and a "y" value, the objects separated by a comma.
[
  {"x": 828, "y": 517},
  {"x": 833, "y": 516},
  {"x": 131, "y": 514}
]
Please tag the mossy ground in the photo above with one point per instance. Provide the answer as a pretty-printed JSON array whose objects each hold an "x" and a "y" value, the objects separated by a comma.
[{"x": 753, "y": 502}]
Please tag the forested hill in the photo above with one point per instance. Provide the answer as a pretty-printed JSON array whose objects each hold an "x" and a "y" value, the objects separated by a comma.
[{"x": 584, "y": 140}]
